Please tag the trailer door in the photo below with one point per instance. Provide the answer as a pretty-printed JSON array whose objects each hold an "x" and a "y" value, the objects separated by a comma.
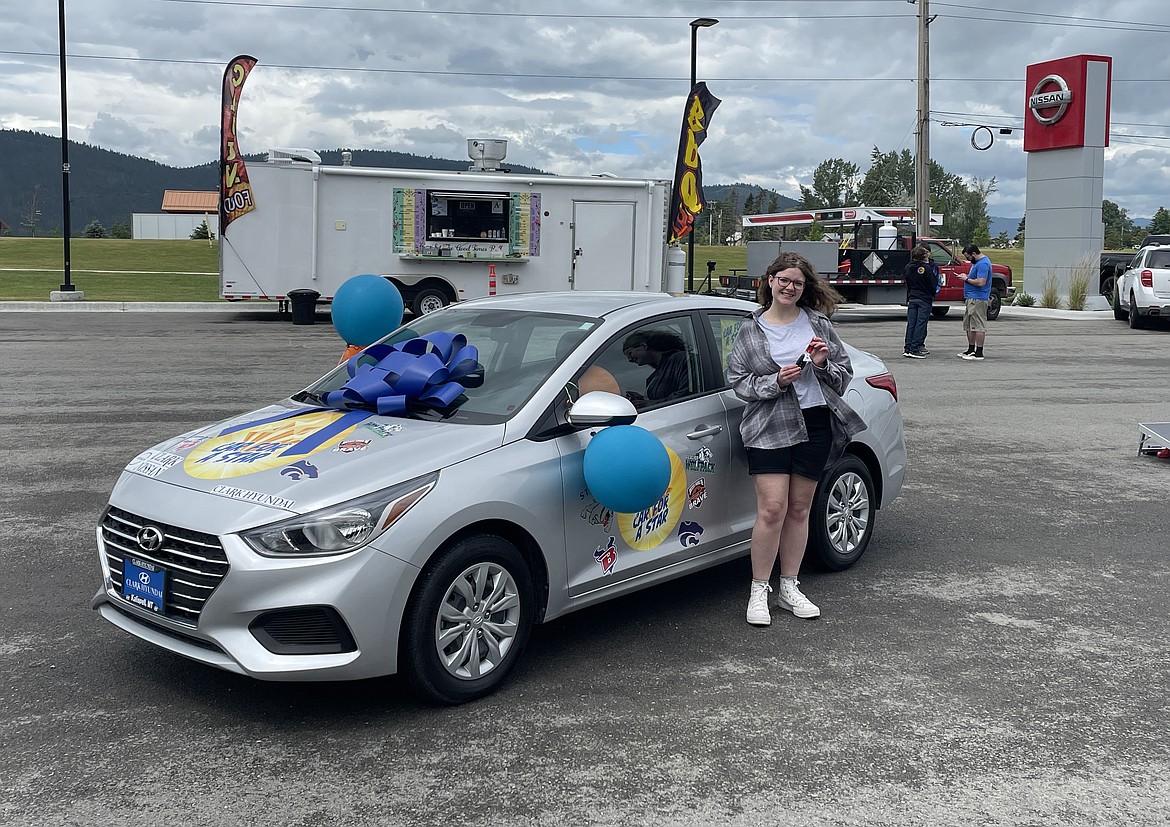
[{"x": 603, "y": 245}]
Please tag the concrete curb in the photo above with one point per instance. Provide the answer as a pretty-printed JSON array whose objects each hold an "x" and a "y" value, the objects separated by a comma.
[
  {"x": 144, "y": 307},
  {"x": 1008, "y": 311}
]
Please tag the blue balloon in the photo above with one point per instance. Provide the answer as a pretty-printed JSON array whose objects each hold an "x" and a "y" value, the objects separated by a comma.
[
  {"x": 626, "y": 468},
  {"x": 366, "y": 308}
]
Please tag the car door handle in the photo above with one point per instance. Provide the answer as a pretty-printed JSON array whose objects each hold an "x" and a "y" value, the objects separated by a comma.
[{"x": 702, "y": 432}]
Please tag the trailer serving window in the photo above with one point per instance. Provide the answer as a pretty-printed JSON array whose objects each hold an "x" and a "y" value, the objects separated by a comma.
[
  {"x": 478, "y": 225},
  {"x": 468, "y": 216}
]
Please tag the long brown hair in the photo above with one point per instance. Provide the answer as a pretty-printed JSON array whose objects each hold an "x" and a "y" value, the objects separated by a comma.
[{"x": 817, "y": 295}]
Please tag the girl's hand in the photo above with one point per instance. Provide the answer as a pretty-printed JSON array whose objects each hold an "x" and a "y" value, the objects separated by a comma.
[
  {"x": 819, "y": 351},
  {"x": 787, "y": 375}
]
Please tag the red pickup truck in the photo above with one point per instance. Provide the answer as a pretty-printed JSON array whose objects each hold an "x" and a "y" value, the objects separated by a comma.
[{"x": 951, "y": 266}]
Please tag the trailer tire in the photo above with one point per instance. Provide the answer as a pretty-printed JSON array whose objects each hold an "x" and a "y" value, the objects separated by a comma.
[
  {"x": 428, "y": 300},
  {"x": 939, "y": 312}
]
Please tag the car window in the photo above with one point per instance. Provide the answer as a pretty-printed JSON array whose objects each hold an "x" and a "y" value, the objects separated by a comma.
[
  {"x": 517, "y": 351},
  {"x": 652, "y": 364},
  {"x": 940, "y": 255},
  {"x": 1159, "y": 258},
  {"x": 725, "y": 327}
]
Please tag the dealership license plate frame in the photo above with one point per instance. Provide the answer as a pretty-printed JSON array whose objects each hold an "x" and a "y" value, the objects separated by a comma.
[{"x": 144, "y": 584}]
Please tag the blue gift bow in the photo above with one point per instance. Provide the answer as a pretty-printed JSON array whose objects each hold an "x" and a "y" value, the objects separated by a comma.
[{"x": 427, "y": 370}]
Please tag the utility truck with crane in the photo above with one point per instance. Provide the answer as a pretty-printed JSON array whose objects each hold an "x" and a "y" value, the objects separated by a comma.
[{"x": 866, "y": 261}]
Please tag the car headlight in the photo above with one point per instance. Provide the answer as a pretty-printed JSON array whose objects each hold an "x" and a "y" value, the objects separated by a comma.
[{"x": 342, "y": 527}]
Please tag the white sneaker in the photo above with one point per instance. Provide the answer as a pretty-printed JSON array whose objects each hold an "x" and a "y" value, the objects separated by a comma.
[
  {"x": 791, "y": 598},
  {"x": 757, "y": 610}
]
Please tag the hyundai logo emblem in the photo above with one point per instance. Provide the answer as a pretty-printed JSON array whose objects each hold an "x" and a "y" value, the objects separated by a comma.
[{"x": 150, "y": 538}]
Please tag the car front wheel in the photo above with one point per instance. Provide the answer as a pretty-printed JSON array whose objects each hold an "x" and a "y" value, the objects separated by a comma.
[
  {"x": 1119, "y": 312},
  {"x": 467, "y": 621},
  {"x": 940, "y": 312},
  {"x": 843, "y": 513}
]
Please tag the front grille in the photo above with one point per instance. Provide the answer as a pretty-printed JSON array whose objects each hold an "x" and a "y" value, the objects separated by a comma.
[
  {"x": 195, "y": 562},
  {"x": 305, "y": 630}
]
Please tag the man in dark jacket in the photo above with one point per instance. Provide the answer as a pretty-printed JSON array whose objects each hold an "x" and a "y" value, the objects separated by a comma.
[{"x": 921, "y": 277}]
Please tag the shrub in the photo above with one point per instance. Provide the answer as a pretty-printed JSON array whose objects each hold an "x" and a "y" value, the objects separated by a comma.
[
  {"x": 1024, "y": 299},
  {"x": 1050, "y": 291},
  {"x": 94, "y": 229},
  {"x": 202, "y": 231},
  {"x": 121, "y": 230},
  {"x": 1078, "y": 289}
]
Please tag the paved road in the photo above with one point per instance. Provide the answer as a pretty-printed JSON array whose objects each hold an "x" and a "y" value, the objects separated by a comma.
[{"x": 1000, "y": 655}]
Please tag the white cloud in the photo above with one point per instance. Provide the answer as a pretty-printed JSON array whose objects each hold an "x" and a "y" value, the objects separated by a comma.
[{"x": 592, "y": 87}]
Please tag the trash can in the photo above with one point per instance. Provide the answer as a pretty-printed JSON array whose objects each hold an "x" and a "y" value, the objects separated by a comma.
[{"x": 304, "y": 305}]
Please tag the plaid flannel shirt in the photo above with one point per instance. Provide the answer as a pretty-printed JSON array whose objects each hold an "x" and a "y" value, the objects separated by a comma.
[{"x": 772, "y": 417}]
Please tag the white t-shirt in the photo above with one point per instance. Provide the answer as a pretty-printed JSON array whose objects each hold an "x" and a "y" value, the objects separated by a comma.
[{"x": 785, "y": 343}]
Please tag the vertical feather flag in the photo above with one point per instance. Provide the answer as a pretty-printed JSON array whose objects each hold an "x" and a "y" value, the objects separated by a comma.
[
  {"x": 686, "y": 201},
  {"x": 235, "y": 193}
]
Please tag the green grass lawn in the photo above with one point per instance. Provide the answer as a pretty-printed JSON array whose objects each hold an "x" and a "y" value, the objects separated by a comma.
[
  {"x": 178, "y": 271},
  {"x": 188, "y": 270},
  {"x": 110, "y": 269}
]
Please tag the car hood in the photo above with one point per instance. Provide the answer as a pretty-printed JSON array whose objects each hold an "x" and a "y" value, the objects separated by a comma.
[{"x": 301, "y": 459}]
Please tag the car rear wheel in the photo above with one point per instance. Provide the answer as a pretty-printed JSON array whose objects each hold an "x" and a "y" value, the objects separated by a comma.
[
  {"x": 467, "y": 621},
  {"x": 1136, "y": 321},
  {"x": 843, "y": 513},
  {"x": 939, "y": 312}
]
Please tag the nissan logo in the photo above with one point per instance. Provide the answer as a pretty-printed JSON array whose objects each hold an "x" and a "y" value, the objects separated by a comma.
[
  {"x": 150, "y": 538},
  {"x": 1059, "y": 98}
]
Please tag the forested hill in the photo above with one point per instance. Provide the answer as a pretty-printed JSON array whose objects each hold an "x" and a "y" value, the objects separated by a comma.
[{"x": 108, "y": 186}]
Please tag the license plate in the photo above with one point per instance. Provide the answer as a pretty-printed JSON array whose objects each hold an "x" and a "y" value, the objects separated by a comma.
[{"x": 144, "y": 584}]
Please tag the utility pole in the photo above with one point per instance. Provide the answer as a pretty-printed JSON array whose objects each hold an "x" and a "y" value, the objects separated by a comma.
[{"x": 922, "y": 132}]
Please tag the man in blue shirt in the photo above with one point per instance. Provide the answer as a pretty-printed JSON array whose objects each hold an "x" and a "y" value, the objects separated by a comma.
[{"x": 976, "y": 292}]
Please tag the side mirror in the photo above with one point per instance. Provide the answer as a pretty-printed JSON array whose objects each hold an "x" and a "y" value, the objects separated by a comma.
[{"x": 598, "y": 408}]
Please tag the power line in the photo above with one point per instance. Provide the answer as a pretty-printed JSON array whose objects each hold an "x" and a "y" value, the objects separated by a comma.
[
  {"x": 218, "y": 63},
  {"x": 540, "y": 15}
]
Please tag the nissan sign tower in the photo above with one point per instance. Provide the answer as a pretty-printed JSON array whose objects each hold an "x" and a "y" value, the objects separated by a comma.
[{"x": 1066, "y": 130}]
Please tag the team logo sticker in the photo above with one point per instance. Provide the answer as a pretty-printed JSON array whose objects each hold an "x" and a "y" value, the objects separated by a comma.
[
  {"x": 650, "y": 527},
  {"x": 697, "y": 493},
  {"x": 702, "y": 461},
  {"x": 189, "y": 442},
  {"x": 597, "y": 514},
  {"x": 349, "y": 446},
  {"x": 607, "y": 556},
  {"x": 264, "y": 447},
  {"x": 300, "y": 469},
  {"x": 381, "y": 428},
  {"x": 689, "y": 533}
]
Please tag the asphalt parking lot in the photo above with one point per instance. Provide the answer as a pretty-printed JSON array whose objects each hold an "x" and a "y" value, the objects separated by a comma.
[{"x": 999, "y": 656}]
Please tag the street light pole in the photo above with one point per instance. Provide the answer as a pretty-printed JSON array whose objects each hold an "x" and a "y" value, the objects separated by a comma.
[
  {"x": 67, "y": 287},
  {"x": 696, "y": 24}
]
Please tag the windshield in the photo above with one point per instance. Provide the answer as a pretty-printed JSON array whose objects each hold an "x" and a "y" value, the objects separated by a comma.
[{"x": 517, "y": 350}]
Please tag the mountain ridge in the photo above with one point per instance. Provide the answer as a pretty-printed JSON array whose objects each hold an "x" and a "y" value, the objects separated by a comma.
[{"x": 109, "y": 187}]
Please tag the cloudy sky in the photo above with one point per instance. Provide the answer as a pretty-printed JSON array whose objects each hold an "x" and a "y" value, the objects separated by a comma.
[{"x": 590, "y": 86}]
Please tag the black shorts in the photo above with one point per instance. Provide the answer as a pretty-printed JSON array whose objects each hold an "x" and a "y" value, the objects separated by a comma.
[{"x": 805, "y": 458}]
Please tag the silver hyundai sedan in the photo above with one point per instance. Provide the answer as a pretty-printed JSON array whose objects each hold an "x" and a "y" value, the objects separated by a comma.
[{"x": 423, "y": 527}]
